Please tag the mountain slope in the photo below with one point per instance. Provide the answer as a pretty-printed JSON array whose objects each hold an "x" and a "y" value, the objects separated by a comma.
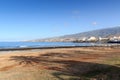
[{"x": 115, "y": 31}]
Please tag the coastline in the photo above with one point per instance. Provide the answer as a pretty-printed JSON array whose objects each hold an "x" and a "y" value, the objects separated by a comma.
[{"x": 57, "y": 47}]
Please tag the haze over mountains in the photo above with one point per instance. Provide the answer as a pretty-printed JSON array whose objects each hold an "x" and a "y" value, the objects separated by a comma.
[{"x": 104, "y": 33}]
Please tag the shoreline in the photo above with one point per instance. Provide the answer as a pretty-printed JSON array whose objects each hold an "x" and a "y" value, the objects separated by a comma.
[{"x": 57, "y": 47}]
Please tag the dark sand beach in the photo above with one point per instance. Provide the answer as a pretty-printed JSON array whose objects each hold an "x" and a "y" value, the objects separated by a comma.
[{"x": 75, "y": 63}]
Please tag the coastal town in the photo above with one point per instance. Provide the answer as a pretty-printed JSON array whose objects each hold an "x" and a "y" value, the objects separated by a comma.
[
  {"x": 99, "y": 39},
  {"x": 83, "y": 39}
]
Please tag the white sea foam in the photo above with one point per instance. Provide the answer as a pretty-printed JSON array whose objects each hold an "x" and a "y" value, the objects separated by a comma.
[{"x": 23, "y": 46}]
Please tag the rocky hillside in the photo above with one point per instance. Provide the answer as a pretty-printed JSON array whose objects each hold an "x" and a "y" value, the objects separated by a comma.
[{"x": 108, "y": 32}]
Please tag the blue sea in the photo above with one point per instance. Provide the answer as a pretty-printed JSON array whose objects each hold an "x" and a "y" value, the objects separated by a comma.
[{"x": 6, "y": 45}]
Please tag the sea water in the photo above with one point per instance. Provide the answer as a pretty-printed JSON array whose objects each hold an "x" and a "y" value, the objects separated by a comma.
[{"x": 4, "y": 45}]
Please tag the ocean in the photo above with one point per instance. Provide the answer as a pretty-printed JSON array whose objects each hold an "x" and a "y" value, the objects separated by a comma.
[{"x": 7, "y": 45}]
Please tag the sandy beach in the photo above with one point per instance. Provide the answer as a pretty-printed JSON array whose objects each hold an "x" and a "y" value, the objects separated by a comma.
[{"x": 80, "y": 63}]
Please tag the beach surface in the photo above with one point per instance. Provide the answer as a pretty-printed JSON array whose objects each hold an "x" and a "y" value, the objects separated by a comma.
[{"x": 78, "y": 63}]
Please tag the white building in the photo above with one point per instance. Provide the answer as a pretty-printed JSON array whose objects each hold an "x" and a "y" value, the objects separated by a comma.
[
  {"x": 103, "y": 39},
  {"x": 115, "y": 38},
  {"x": 84, "y": 39},
  {"x": 92, "y": 38}
]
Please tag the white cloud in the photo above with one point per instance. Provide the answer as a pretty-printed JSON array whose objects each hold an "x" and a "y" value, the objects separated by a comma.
[{"x": 94, "y": 23}]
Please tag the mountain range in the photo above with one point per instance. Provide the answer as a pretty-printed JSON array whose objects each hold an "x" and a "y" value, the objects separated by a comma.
[{"x": 104, "y": 33}]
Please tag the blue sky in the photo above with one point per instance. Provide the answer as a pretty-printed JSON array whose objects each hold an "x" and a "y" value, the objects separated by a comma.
[{"x": 35, "y": 19}]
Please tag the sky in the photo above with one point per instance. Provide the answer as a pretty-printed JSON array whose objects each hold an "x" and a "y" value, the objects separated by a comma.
[{"x": 36, "y": 19}]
